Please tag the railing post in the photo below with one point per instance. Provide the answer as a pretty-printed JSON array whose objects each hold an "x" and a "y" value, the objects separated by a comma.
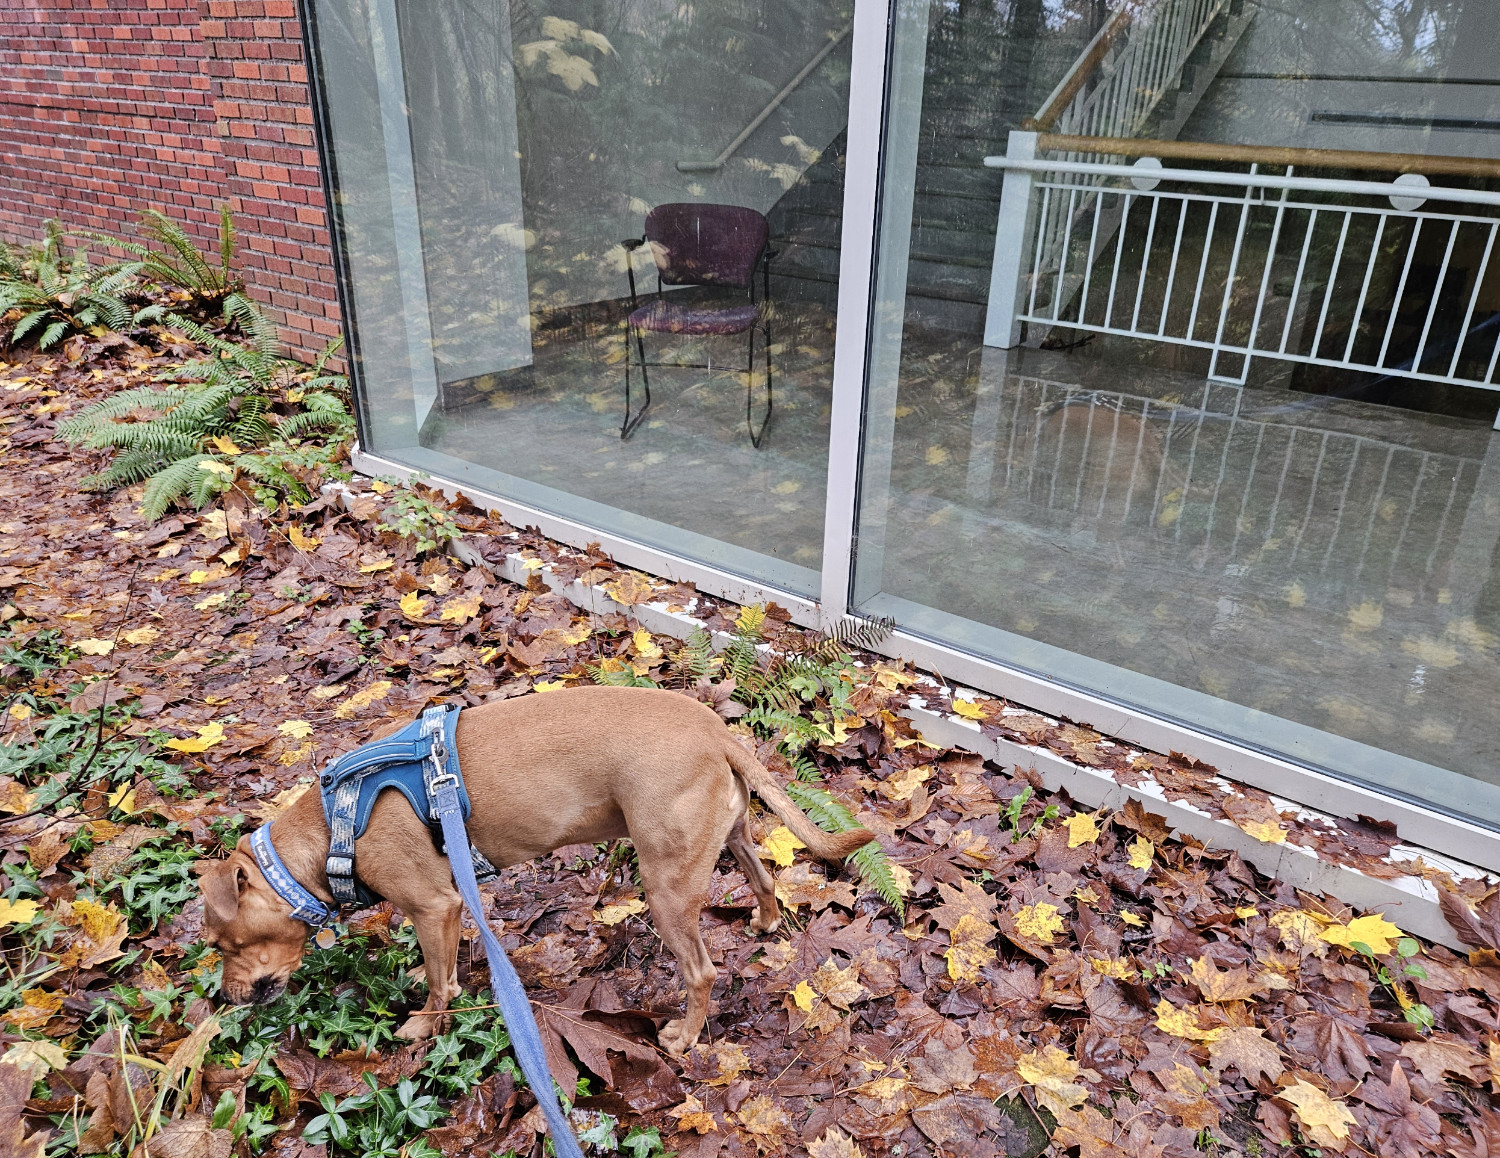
[{"x": 1012, "y": 232}]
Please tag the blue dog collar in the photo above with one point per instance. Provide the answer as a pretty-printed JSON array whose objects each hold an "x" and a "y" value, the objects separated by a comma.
[{"x": 305, "y": 906}]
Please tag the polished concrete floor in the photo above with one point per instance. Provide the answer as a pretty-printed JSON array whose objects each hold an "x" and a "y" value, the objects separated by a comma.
[{"x": 1323, "y": 560}]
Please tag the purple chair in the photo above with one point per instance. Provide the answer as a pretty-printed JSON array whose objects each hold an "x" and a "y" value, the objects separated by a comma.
[{"x": 703, "y": 245}]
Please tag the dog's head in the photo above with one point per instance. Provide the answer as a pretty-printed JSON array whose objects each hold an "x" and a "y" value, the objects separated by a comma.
[{"x": 251, "y": 927}]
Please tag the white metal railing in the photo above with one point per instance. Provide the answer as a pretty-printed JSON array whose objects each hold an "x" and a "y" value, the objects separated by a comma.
[
  {"x": 1200, "y": 265},
  {"x": 1224, "y": 480},
  {"x": 1136, "y": 58}
]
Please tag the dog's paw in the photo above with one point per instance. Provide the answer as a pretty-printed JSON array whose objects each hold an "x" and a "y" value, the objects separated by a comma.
[
  {"x": 421, "y": 1026},
  {"x": 674, "y": 1039},
  {"x": 757, "y": 925}
]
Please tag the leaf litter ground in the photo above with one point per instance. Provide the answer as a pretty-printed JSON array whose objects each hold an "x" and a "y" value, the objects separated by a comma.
[{"x": 1061, "y": 978}]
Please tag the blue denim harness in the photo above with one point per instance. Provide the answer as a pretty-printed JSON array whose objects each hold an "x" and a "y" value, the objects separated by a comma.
[
  {"x": 421, "y": 762},
  {"x": 403, "y": 761}
]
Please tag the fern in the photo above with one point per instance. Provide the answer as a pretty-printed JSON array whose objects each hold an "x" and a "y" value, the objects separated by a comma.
[
  {"x": 188, "y": 437},
  {"x": 57, "y": 293},
  {"x": 870, "y": 860},
  {"x": 695, "y": 659},
  {"x": 176, "y": 261},
  {"x": 620, "y": 677}
]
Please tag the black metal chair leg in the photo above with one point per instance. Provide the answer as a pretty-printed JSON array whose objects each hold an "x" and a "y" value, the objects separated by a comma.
[
  {"x": 757, "y": 434},
  {"x": 629, "y": 425}
]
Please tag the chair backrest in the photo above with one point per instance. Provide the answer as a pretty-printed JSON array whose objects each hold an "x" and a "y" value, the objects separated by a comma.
[{"x": 696, "y": 244}]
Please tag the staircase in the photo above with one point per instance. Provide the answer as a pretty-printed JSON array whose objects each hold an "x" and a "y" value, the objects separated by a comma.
[{"x": 966, "y": 116}]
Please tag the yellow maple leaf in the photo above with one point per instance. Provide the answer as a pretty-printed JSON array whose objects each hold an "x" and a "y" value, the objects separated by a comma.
[
  {"x": 1082, "y": 829},
  {"x": 461, "y": 608},
  {"x": 209, "y": 602},
  {"x": 692, "y": 1116},
  {"x": 376, "y": 565},
  {"x": 1373, "y": 931},
  {"x": 549, "y": 686},
  {"x": 363, "y": 699},
  {"x": 94, "y": 646},
  {"x": 301, "y": 540},
  {"x": 804, "y": 996},
  {"x": 17, "y": 912},
  {"x": 903, "y": 784},
  {"x": 295, "y": 729},
  {"x": 1120, "y": 970},
  {"x": 1327, "y": 1121},
  {"x": 226, "y": 446},
  {"x": 968, "y": 709},
  {"x": 643, "y": 644},
  {"x": 141, "y": 635},
  {"x": 1141, "y": 853},
  {"x": 1183, "y": 1023},
  {"x": 413, "y": 606},
  {"x": 20, "y": 711},
  {"x": 1264, "y": 831},
  {"x": 1245, "y": 911},
  {"x": 1298, "y": 929},
  {"x": 1039, "y": 922},
  {"x": 287, "y": 759},
  {"x": 969, "y": 952},
  {"x": 123, "y": 798},
  {"x": 614, "y": 914},
  {"x": 207, "y": 737},
  {"x": 1131, "y": 919},
  {"x": 840, "y": 987},
  {"x": 1054, "y": 1076},
  {"x": 781, "y": 846}
]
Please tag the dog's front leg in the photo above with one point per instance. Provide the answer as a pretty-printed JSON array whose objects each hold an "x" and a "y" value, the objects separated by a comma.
[{"x": 438, "y": 924}]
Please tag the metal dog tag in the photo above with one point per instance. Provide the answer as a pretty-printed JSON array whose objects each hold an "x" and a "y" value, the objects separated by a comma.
[{"x": 325, "y": 938}]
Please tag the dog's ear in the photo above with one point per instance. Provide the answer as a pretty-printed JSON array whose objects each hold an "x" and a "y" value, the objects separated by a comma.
[{"x": 222, "y": 882}]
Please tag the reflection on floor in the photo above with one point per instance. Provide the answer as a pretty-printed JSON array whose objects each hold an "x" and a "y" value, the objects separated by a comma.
[
  {"x": 690, "y": 464},
  {"x": 1328, "y": 561}
]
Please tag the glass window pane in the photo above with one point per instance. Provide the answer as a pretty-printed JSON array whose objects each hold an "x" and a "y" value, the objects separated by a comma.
[
  {"x": 489, "y": 160},
  {"x": 1198, "y": 417}
]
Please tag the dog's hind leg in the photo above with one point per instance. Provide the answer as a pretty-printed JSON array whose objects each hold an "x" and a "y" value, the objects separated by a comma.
[
  {"x": 767, "y": 915},
  {"x": 677, "y": 883},
  {"x": 439, "y": 922}
]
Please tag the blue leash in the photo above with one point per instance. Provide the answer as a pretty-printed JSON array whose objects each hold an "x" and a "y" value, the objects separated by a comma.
[{"x": 525, "y": 1038}]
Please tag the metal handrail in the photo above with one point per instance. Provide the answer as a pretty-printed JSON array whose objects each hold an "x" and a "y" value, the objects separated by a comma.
[
  {"x": 1250, "y": 180},
  {"x": 1084, "y": 67},
  {"x": 718, "y": 162},
  {"x": 1444, "y": 166}
]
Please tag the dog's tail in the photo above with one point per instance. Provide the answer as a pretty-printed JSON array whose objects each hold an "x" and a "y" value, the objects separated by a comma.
[{"x": 829, "y": 846}]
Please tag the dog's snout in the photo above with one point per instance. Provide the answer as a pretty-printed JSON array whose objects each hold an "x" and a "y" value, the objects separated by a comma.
[{"x": 266, "y": 990}]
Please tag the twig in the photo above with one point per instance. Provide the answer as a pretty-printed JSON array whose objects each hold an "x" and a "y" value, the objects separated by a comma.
[{"x": 104, "y": 698}]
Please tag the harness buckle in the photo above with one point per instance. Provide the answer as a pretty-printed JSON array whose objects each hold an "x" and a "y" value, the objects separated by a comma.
[
  {"x": 339, "y": 866},
  {"x": 446, "y": 780}
]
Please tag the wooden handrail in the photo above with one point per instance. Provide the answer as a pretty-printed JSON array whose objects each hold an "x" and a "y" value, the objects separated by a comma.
[
  {"x": 1083, "y": 68},
  {"x": 1429, "y": 166}
]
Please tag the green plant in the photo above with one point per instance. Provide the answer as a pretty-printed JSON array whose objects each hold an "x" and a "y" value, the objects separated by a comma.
[
  {"x": 1415, "y": 1012},
  {"x": 420, "y": 517},
  {"x": 376, "y": 1122},
  {"x": 158, "y": 880},
  {"x": 177, "y": 261},
  {"x": 795, "y": 694},
  {"x": 1012, "y": 815},
  {"x": 241, "y": 397},
  {"x": 58, "y": 293}
]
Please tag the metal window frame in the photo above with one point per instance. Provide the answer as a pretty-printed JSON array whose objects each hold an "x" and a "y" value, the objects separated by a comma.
[{"x": 871, "y": 49}]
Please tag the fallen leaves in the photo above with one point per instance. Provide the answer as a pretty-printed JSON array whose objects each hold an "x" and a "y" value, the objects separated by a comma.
[
  {"x": 1325, "y": 1120},
  {"x": 1374, "y": 932},
  {"x": 1054, "y": 1075},
  {"x": 1040, "y": 922},
  {"x": 969, "y": 951},
  {"x": 207, "y": 736}
]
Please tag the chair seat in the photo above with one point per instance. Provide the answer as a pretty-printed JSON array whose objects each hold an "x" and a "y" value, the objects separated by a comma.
[{"x": 665, "y": 317}]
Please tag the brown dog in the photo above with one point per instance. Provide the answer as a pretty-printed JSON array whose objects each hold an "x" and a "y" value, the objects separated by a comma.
[{"x": 570, "y": 767}]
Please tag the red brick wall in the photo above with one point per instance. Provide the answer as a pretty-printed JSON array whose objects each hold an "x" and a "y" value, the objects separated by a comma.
[{"x": 110, "y": 106}]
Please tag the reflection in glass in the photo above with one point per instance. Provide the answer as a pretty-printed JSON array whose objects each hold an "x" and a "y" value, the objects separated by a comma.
[
  {"x": 1218, "y": 450},
  {"x": 489, "y": 159}
]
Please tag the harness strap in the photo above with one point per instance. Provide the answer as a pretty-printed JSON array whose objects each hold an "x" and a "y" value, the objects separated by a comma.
[{"x": 525, "y": 1038}]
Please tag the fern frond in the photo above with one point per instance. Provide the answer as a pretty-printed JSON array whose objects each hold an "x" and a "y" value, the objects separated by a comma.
[
  {"x": 170, "y": 484},
  {"x": 226, "y": 244},
  {"x": 870, "y": 861},
  {"x": 624, "y": 677},
  {"x": 695, "y": 658}
]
